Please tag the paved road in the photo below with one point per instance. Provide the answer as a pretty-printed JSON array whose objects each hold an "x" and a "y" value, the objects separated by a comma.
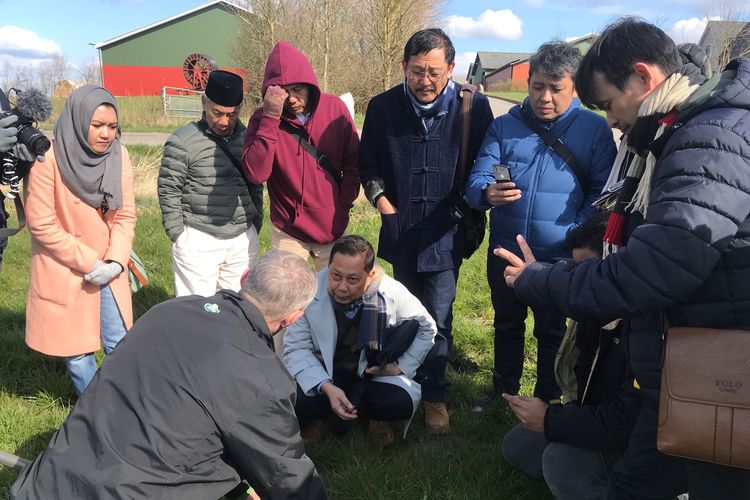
[
  {"x": 147, "y": 138},
  {"x": 499, "y": 106}
]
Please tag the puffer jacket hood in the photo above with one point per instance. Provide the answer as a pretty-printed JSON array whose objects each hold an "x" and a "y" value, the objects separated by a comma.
[
  {"x": 727, "y": 89},
  {"x": 286, "y": 65}
]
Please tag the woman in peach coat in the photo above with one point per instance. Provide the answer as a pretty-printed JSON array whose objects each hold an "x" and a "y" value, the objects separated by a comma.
[{"x": 80, "y": 211}]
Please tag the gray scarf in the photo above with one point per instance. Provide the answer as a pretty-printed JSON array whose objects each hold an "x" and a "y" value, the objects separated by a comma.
[{"x": 93, "y": 177}]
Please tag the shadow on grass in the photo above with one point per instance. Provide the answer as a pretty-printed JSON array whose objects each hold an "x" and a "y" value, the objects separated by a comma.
[
  {"x": 28, "y": 450},
  {"x": 146, "y": 298},
  {"x": 27, "y": 373}
]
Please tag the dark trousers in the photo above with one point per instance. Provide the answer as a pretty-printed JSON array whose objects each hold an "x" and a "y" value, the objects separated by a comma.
[
  {"x": 436, "y": 291},
  {"x": 510, "y": 329},
  {"x": 571, "y": 473},
  {"x": 644, "y": 473},
  {"x": 379, "y": 401},
  {"x": 3, "y": 223}
]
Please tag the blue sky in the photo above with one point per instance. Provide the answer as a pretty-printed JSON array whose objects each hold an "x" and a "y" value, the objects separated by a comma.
[{"x": 32, "y": 32}]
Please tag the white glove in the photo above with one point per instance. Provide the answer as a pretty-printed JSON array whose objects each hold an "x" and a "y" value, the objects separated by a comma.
[{"x": 103, "y": 272}]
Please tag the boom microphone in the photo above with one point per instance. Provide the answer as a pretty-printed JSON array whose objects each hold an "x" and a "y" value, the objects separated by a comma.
[{"x": 33, "y": 104}]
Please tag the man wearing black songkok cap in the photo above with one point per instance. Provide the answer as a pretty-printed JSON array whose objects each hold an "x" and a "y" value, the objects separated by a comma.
[{"x": 211, "y": 214}]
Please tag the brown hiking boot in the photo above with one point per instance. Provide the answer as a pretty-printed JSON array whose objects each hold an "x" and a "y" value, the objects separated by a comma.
[
  {"x": 436, "y": 419},
  {"x": 311, "y": 432},
  {"x": 381, "y": 432}
]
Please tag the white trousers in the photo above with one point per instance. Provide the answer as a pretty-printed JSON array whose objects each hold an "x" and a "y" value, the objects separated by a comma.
[{"x": 203, "y": 264}]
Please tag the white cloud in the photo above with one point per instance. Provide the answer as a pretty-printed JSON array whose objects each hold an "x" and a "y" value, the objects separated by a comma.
[
  {"x": 502, "y": 24},
  {"x": 463, "y": 60},
  {"x": 22, "y": 43},
  {"x": 534, "y": 4},
  {"x": 687, "y": 30}
]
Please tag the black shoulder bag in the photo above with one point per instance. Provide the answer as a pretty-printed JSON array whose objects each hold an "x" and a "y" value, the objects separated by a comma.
[
  {"x": 320, "y": 158},
  {"x": 224, "y": 147},
  {"x": 556, "y": 145},
  {"x": 474, "y": 221}
]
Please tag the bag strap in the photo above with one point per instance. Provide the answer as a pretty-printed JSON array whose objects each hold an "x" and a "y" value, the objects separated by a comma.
[
  {"x": 463, "y": 153},
  {"x": 320, "y": 158},
  {"x": 555, "y": 144},
  {"x": 203, "y": 126},
  {"x": 6, "y": 232},
  {"x": 133, "y": 268}
]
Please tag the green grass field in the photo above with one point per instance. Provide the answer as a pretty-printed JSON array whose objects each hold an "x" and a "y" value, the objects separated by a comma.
[{"x": 36, "y": 394}]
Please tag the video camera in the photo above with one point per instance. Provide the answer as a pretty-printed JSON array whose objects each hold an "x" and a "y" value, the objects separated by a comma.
[{"x": 31, "y": 106}]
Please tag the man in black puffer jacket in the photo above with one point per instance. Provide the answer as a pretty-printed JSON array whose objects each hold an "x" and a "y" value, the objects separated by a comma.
[{"x": 689, "y": 260}]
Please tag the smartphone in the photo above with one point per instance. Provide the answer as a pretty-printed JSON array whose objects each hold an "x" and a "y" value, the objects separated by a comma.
[{"x": 502, "y": 173}]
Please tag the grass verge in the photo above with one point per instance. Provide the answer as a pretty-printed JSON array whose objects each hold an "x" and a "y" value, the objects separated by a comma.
[{"x": 36, "y": 394}]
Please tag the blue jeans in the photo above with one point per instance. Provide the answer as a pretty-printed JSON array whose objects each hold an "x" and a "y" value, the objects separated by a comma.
[
  {"x": 112, "y": 328},
  {"x": 436, "y": 291},
  {"x": 510, "y": 329}
]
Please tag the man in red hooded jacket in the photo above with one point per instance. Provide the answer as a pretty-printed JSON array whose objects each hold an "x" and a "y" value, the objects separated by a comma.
[{"x": 304, "y": 143}]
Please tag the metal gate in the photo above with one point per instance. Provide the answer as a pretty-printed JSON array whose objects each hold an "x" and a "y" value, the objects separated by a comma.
[{"x": 182, "y": 103}]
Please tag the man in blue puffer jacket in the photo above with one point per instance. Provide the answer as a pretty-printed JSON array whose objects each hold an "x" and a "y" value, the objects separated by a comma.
[
  {"x": 689, "y": 260},
  {"x": 545, "y": 199}
]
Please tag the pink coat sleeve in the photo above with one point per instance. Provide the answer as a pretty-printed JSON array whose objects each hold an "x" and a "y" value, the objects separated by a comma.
[{"x": 122, "y": 221}]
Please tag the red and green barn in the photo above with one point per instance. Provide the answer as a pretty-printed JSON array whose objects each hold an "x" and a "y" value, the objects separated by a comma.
[{"x": 176, "y": 52}]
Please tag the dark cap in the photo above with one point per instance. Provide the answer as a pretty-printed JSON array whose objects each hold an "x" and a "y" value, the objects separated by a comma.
[{"x": 224, "y": 88}]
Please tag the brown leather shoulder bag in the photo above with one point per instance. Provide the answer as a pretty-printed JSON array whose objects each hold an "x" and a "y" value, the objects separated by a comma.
[{"x": 704, "y": 407}]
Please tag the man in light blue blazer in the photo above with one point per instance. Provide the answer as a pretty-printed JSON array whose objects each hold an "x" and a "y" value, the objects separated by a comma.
[{"x": 356, "y": 303}]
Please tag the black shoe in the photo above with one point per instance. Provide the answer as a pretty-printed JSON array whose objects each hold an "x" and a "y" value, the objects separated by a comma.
[{"x": 488, "y": 401}]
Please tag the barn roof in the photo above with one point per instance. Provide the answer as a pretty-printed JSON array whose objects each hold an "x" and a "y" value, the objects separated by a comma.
[{"x": 233, "y": 5}]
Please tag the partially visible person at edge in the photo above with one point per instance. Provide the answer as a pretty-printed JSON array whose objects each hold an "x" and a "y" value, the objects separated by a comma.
[
  {"x": 408, "y": 163},
  {"x": 9, "y": 144},
  {"x": 193, "y": 401},
  {"x": 309, "y": 205},
  {"x": 546, "y": 198},
  {"x": 688, "y": 259},
  {"x": 211, "y": 214},
  {"x": 574, "y": 445},
  {"x": 356, "y": 308},
  {"x": 80, "y": 211}
]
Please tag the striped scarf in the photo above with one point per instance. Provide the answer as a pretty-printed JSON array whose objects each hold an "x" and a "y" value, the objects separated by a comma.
[
  {"x": 374, "y": 320},
  {"x": 659, "y": 109}
]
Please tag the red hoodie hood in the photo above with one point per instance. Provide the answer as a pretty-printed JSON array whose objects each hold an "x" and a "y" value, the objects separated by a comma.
[{"x": 286, "y": 65}]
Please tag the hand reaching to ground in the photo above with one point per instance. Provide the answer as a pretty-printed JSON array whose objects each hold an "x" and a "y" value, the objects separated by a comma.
[{"x": 340, "y": 405}]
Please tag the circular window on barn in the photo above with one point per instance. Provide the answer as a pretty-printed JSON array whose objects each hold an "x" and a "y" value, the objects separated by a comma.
[{"x": 196, "y": 69}]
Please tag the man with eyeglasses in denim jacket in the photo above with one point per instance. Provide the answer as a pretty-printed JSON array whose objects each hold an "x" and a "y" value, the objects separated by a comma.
[{"x": 407, "y": 162}]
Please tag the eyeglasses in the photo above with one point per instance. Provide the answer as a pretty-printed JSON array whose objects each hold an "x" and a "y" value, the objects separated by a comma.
[{"x": 420, "y": 74}]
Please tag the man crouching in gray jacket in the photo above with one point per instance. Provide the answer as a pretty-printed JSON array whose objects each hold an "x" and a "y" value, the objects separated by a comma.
[{"x": 191, "y": 401}]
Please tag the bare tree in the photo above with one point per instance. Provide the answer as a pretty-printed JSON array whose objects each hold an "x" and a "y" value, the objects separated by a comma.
[
  {"x": 18, "y": 77},
  {"x": 89, "y": 70},
  {"x": 353, "y": 45},
  {"x": 51, "y": 72},
  {"x": 386, "y": 26},
  {"x": 262, "y": 27},
  {"x": 727, "y": 33}
]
